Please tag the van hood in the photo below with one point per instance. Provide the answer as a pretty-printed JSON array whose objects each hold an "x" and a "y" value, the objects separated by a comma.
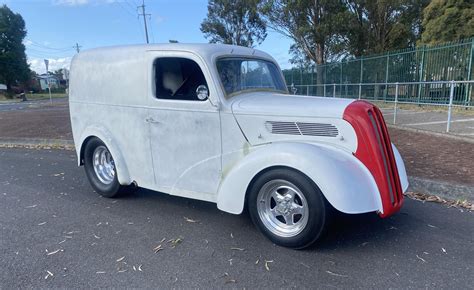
[
  {"x": 274, "y": 104},
  {"x": 268, "y": 117}
]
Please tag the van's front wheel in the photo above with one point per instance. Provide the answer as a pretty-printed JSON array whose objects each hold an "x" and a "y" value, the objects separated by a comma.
[
  {"x": 288, "y": 208},
  {"x": 100, "y": 169}
]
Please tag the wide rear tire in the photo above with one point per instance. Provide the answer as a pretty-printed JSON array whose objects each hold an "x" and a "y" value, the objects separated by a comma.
[{"x": 100, "y": 170}]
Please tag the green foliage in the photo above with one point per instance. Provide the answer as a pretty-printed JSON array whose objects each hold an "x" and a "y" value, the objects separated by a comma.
[
  {"x": 382, "y": 25},
  {"x": 315, "y": 26},
  {"x": 13, "y": 66},
  {"x": 234, "y": 22},
  {"x": 447, "y": 20}
]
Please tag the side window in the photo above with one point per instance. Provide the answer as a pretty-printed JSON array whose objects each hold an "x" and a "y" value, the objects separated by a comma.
[{"x": 177, "y": 79}]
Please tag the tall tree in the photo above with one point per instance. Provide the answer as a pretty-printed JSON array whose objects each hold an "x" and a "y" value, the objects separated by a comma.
[
  {"x": 447, "y": 20},
  {"x": 382, "y": 25},
  {"x": 314, "y": 25},
  {"x": 234, "y": 22},
  {"x": 13, "y": 65}
]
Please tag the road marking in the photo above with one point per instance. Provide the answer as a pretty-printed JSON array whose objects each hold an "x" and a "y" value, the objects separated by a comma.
[{"x": 438, "y": 122}]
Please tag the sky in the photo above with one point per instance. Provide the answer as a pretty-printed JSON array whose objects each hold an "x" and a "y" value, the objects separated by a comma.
[{"x": 55, "y": 26}]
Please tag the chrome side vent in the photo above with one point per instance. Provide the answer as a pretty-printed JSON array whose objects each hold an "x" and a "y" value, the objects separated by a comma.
[{"x": 302, "y": 129}]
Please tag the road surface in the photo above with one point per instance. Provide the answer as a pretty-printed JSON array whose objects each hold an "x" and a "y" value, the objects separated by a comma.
[{"x": 56, "y": 232}]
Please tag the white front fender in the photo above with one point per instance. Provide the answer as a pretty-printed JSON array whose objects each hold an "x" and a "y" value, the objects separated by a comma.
[{"x": 345, "y": 182}]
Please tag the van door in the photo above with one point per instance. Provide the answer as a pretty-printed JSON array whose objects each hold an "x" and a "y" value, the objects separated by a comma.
[{"x": 184, "y": 131}]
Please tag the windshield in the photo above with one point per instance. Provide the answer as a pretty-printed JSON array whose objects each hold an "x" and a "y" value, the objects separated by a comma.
[{"x": 243, "y": 74}]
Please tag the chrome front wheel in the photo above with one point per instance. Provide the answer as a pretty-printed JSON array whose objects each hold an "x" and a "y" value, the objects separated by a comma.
[
  {"x": 288, "y": 207},
  {"x": 282, "y": 208}
]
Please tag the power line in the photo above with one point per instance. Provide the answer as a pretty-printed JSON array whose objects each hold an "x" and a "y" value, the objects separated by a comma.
[
  {"x": 39, "y": 45},
  {"x": 144, "y": 14}
]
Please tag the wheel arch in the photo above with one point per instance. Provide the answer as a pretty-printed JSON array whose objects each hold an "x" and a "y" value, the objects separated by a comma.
[
  {"x": 271, "y": 168},
  {"x": 123, "y": 174},
  {"x": 335, "y": 172}
]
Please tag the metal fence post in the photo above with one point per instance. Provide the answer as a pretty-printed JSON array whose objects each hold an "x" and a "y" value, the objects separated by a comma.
[
  {"x": 396, "y": 102},
  {"x": 324, "y": 87},
  {"x": 334, "y": 91},
  {"x": 307, "y": 90},
  {"x": 360, "y": 91},
  {"x": 450, "y": 107}
]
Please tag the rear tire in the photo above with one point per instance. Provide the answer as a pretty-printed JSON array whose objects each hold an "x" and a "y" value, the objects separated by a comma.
[
  {"x": 100, "y": 170},
  {"x": 288, "y": 208}
]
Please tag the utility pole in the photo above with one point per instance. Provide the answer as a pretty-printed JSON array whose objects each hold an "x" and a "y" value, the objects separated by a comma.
[
  {"x": 46, "y": 63},
  {"x": 144, "y": 18},
  {"x": 77, "y": 47}
]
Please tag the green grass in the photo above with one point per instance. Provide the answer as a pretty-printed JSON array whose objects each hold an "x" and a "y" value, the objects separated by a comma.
[{"x": 32, "y": 97}]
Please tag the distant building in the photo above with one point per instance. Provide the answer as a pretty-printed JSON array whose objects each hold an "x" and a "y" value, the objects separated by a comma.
[
  {"x": 44, "y": 79},
  {"x": 3, "y": 88}
]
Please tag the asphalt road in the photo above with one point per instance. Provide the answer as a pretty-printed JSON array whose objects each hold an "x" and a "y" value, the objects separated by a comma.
[
  {"x": 32, "y": 104},
  {"x": 51, "y": 220}
]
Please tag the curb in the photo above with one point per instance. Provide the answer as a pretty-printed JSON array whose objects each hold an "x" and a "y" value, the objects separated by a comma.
[
  {"x": 37, "y": 143},
  {"x": 432, "y": 133},
  {"x": 440, "y": 188}
]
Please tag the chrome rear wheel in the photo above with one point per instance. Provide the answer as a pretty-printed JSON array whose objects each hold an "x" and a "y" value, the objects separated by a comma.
[{"x": 104, "y": 166}]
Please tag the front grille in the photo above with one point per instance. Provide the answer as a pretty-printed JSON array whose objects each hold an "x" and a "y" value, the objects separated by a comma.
[
  {"x": 385, "y": 146},
  {"x": 374, "y": 150}
]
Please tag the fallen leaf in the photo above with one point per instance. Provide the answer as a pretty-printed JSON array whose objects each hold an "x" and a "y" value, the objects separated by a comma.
[
  {"x": 30, "y": 206},
  {"x": 237, "y": 249},
  {"x": 100, "y": 272},
  {"x": 423, "y": 260},
  {"x": 96, "y": 236},
  {"x": 140, "y": 268},
  {"x": 48, "y": 275},
  {"x": 43, "y": 223},
  {"x": 120, "y": 259},
  {"x": 266, "y": 264},
  {"x": 190, "y": 220},
  {"x": 175, "y": 242},
  {"x": 444, "y": 250},
  {"x": 305, "y": 265},
  {"x": 335, "y": 274},
  {"x": 157, "y": 248},
  {"x": 54, "y": 252}
]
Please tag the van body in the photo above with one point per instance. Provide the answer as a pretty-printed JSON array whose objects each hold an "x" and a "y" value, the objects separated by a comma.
[{"x": 217, "y": 123}]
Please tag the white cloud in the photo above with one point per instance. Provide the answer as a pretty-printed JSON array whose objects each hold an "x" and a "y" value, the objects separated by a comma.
[
  {"x": 37, "y": 64},
  {"x": 81, "y": 2},
  {"x": 27, "y": 42},
  {"x": 70, "y": 2}
]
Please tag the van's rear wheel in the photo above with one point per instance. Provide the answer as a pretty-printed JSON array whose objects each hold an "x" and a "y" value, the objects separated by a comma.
[
  {"x": 100, "y": 169},
  {"x": 288, "y": 208}
]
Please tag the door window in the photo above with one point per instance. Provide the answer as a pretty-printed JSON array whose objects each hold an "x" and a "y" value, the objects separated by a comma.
[{"x": 177, "y": 79}]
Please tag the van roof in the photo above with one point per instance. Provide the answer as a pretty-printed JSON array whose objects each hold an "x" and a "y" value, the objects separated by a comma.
[{"x": 206, "y": 50}]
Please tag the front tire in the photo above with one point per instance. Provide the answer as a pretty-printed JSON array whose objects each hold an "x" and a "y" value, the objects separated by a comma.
[
  {"x": 100, "y": 169},
  {"x": 288, "y": 208}
]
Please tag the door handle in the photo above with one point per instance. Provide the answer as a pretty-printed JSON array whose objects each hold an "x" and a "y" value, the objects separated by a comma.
[{"x": 151, "y": 120}]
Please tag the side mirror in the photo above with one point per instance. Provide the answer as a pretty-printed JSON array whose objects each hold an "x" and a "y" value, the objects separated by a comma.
[{"x": 202, "y": 92}]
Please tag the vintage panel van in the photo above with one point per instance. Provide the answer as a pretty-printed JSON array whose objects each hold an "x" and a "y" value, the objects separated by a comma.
[{"x": 216, "y": 123}]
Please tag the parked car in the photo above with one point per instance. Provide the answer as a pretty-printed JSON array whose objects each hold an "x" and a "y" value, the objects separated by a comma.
[{"x": 217, "y": 123}]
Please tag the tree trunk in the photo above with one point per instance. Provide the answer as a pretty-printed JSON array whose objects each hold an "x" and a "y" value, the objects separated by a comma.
[{"x": 320, "y": 69}]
